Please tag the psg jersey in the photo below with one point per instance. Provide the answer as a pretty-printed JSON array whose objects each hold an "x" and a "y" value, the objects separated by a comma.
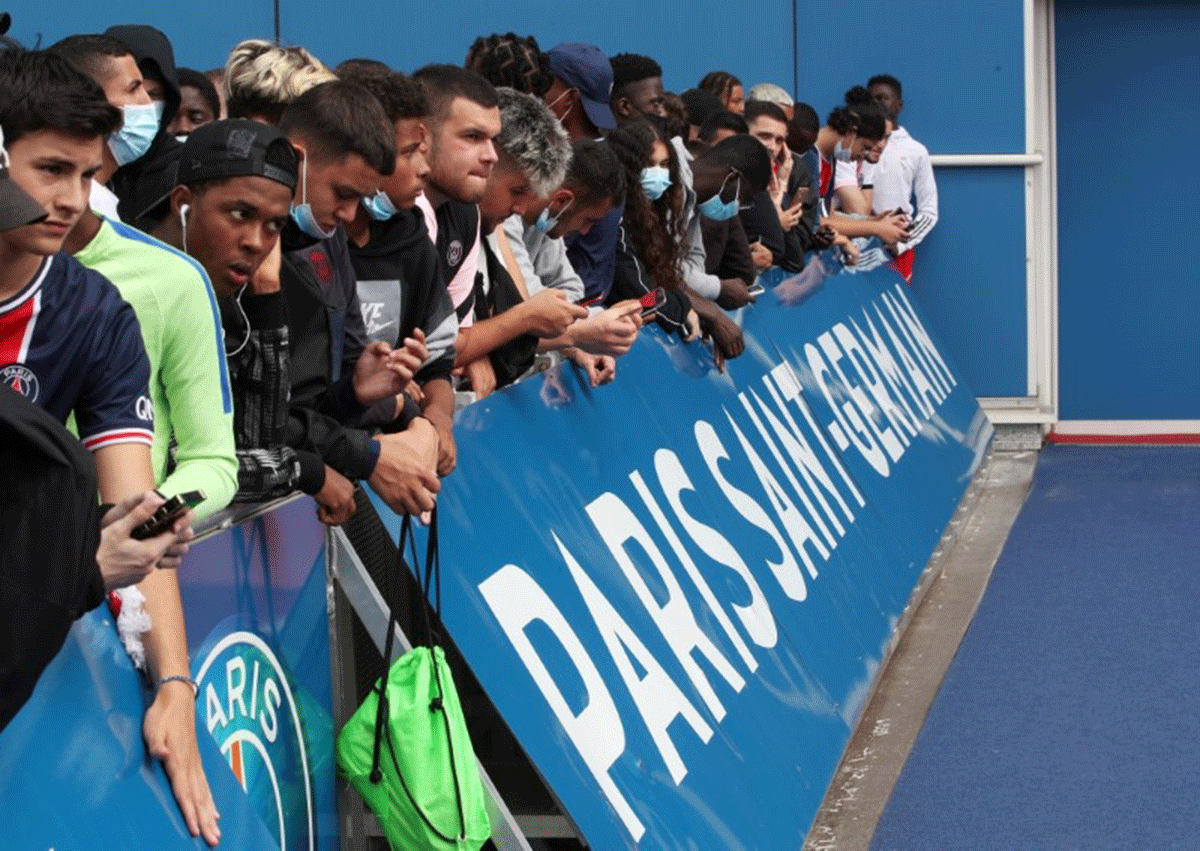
[{"x": 69, "y": 343}]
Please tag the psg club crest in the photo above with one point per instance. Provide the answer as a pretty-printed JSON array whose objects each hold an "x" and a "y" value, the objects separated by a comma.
[
  {"x": 20, "y": 378},
  {"x": 251, "y": 712}
]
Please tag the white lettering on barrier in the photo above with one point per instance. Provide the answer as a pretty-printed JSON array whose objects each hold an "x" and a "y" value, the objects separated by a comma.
[
  {"x": 819, "y": 519},
  {"x": 658, "y": 699},
  {"x": 617, "y": 525},
  {"x": 784, "y": 377},
  {"x": 797, "y": 528},
  {"x": 596, "y": 731},
  {"x": 897, "y": 417},
  {"x": 755, "y": 616},
  {"x": 894, "y": 383},
  {"x": 714, "y": 452},
  {"x": 880, "y": 436},
  {"x": 848, "y": 426}
]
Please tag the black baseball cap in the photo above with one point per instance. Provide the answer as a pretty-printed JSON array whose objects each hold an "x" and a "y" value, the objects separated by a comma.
[
  {"x": 586, "y": 68},
  {"x": 16, "y": 208},
  {"x": 237, "y": 147}
]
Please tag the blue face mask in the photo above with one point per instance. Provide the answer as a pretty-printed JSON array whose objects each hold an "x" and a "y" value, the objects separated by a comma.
[
  {"x": 545, "y": 222},
  {"x": 655, "y": 181},
  {"x": 842, "y": 153},
  {"x": 302, "y": 213},
  {"x": 379, "y": 206},
  {"x": 138, "y": 129},
  {"x": 717, "y": 210}
]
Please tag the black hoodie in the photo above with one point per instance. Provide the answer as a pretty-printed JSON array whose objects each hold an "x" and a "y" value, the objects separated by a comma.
[
  {"x": 402, "y": 286},
  {"x": 144, "y": 184}
]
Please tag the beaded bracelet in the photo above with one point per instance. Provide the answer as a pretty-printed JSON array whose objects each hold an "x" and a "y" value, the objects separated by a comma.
[{"x": 180, "y": 678}]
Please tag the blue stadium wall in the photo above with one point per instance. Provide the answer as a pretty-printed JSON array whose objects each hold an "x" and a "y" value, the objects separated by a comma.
[{"x": 961, "y": 64}]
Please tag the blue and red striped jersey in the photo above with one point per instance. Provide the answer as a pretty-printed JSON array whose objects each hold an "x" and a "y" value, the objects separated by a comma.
[{"x": 69, "y": 343}]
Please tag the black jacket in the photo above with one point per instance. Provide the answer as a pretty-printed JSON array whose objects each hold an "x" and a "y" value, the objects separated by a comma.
[
  {"x": 143, "y": 185},
  {"x": 51, "y": 521}
]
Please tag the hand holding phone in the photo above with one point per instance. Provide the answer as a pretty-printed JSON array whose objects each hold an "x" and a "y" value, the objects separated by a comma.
[
  {"x": 652, "y": 302},
  {"x": 166, "y": 514}
]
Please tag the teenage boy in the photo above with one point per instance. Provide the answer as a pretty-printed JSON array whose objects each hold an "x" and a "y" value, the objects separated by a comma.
[
  {"x": 69, "y": 343},
  {"x": 236, "y": 180},
  {"x": 637, "y": 87},
  {"x": 401, "y": 283},
  {"x": 112, "y": 66},
  {"x": 904, "y": 172},
  {"x": 464, "y": 119},
  {"x": 593, "y": 188},
  {"x": 579, "y": 97},
  {"x": 346, "y": 146},
  {"x": 177, "y": 312}
]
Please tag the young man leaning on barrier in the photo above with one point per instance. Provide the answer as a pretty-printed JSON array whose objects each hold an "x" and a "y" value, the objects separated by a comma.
[
  {"x": 346, "y": 147},
  {"x": 593, "y": 188},
  {"x": 193, "y": 433},
  {"x": 72, "y": 345},
  {"x": 236, "y": 180},
  {"x": 533, "y": 158},
  {"x": 401, "y": 282}
]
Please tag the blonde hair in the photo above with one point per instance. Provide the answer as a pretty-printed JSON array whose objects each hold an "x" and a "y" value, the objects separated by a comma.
[{"x": 261, "y": 78}]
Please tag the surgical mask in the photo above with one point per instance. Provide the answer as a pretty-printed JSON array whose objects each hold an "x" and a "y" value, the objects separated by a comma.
[
  {"x": 655, "y": 181},
  {"x": 841, "y": 153},
  {"x": 302, "y": 213},
  {"x": 138, "y": 128},
  {"x": 379, "y": 206},
  {"x": 181, "y": 139},
  {"x": 717, "y": 210},
  {"x": 545, "y": 222}
]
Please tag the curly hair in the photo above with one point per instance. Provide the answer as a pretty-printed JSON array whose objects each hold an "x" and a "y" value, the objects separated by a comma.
[
  {"x": 511, "y": 61},
  {"x": 654, "y": 228},
  {"x": 721, "y": 84}
]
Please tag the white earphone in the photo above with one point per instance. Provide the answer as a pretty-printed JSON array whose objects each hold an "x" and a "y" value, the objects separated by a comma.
[{"x": 183, "y": 211}]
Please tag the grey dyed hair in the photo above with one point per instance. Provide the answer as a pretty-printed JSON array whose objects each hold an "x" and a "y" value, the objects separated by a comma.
[
  {"x": 770, "y": 93},
  {"x": 531, "y": 136}
]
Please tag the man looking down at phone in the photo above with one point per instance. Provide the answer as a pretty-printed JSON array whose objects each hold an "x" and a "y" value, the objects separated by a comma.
[
  {"x": 72, "y": 345},
  {"x": 593, "y": 187},
  {"x": 236, "y": 179},
  {"x": 401, "y": 283},
  {"x": 510, "y": 318},
  {"x": 346, "y": 146}
]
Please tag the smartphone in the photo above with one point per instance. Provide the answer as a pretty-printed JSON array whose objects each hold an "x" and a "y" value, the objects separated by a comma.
[
  {"x": 653, "y": 302},
  {"x": 166, "y": 515},
  {"x": 756, "y": 289}
]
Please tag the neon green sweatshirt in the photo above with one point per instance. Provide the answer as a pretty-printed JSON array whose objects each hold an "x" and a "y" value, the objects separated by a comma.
[{"x": 189, "y": 383}]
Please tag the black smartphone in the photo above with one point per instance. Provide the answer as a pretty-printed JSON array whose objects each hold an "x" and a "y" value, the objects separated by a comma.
[
  {"x": 166, "y": 514},
  {"x": 653, "y": 302},
  {"x": 756, "y": 289}
]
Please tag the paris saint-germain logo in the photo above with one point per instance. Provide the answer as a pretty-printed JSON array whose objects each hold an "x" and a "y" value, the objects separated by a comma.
[
  {"x": 250, "y": 710},
  {"x": 20, "y": 378}
]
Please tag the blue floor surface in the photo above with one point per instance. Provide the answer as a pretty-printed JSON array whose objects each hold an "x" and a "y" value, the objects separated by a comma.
[{"x": 1070, "y": 717}]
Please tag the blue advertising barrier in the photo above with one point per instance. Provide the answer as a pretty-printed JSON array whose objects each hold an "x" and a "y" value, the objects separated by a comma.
[
  {"x": 677, "y": 589},
  {"x": 74, "y": 772}
]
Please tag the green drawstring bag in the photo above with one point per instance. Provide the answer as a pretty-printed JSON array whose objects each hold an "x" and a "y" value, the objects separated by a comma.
[{"x": 406, "y": 749}]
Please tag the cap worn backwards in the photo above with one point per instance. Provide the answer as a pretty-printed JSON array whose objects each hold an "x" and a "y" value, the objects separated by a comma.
[{"x": 237, "y": 147}]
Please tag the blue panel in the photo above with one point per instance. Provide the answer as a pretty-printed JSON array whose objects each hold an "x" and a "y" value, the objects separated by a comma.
[
  {"x": 961, "y": 63},
  {"x": 970, "y": 276},
  {"x": 1129, "y": 343},
  {"x": 254, "y": 598},
  {"x": 607, "y": 562},
  {"x": 201, "y": 36}
]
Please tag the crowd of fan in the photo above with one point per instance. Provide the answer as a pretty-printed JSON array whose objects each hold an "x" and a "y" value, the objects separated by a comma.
[{"x": 275, "y": 276}]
